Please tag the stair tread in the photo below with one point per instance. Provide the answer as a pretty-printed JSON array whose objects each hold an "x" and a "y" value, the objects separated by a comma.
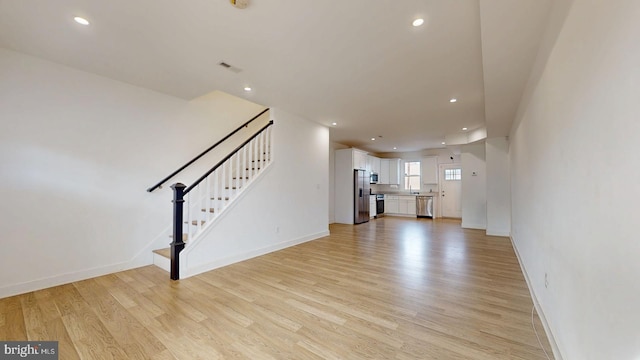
[
  {"x": 211, "y": 210},
  {"x": 166, "y": 252}
]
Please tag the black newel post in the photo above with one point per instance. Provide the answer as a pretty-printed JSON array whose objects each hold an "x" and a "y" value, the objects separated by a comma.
[{"x": 177, "y": 244}]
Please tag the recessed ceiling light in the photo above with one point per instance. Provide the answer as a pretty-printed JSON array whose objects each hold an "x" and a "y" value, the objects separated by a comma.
[
  {"x": 453, "y": 100},
  {"x": 247, "y": 88},
  {"x": 464, "y": 129},
  {"x": 81, "y": 20},
  {"x": 373, "y": 139},
  {"x": 418, "y": 22},
  {"x": 334, "y": 123},
  {"x": 444, "y": 143},
  {"x": 395, "y": 148}
]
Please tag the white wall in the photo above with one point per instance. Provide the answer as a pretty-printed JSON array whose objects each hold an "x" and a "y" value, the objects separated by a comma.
[
  {"x": 498, "y": 187},
  {"x": 474, "y": 187},
  {"x": 333, "y": 146},
  {"x": 77, "y": 152},
  {"x": 575, "y": 174},
  {"x": 288, "y": 205}
]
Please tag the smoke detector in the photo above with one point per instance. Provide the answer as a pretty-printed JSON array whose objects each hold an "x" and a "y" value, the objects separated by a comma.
[{"x": 240, "y": 4}]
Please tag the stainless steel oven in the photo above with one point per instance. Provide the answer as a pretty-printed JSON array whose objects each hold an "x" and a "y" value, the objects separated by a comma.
[{"x": 379, "y": 205}]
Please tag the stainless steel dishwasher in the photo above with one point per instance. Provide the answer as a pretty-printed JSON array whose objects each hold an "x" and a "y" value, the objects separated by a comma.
[{"x": 424, "y": 206}]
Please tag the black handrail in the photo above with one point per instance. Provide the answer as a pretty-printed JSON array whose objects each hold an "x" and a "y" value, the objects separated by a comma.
[
  {"x": 179, "y": 191},
  {"x": 186, "y": 191},
  {"x": 204, "y": 152}
]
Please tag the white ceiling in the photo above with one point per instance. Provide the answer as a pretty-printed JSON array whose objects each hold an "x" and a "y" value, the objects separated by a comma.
[{"x": 359, "y": 63}]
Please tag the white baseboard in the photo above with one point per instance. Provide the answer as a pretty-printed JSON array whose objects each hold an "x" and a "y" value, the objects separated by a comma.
[
  {"x": 497, "y": 232},
  {"x": 466, "y": 225},
  {"x": 552, "y": 341},
  {"x": 186, "y": 271},
  {"x": 34, "y": 285}
]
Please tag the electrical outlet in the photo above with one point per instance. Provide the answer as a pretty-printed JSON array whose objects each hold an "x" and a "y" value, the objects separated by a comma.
[{"x": 546, "y": 280}]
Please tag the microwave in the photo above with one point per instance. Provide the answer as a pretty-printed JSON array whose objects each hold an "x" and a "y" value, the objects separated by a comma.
[{"x": 374, "y": 178}]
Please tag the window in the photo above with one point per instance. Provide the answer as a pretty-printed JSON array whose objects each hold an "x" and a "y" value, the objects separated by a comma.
[
  {"x": 412, "y": 175},
  {"x": 453, "y": 174}
]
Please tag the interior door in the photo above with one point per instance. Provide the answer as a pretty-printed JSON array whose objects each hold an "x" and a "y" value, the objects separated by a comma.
[{"x": 451, "y": 190}]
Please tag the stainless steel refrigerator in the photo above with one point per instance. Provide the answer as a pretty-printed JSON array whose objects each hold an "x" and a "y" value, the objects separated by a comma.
[{"x": 361, "y": 192}]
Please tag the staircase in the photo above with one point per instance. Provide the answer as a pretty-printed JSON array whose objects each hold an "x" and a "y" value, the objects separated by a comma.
[{"x": 196, "y": 207}]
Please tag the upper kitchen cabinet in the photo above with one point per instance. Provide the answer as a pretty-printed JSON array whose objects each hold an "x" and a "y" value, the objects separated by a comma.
[
  {"x": 429, "y": 167},
  {"x": 375, "y": 164},
  {"x": 389, "y": 171},
  {"x": 359, "y": 159}
]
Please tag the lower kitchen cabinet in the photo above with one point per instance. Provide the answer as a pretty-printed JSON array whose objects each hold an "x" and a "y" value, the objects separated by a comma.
[
  {"x": 391, "y": 204},
  {"x": 372, "y": 206},
  {"x": 407, "y": 205},
  {"x": 400, "y": 205}
]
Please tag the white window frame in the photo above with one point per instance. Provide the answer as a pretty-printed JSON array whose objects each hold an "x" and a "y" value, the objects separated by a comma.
[{"x": 404, "y": 174}]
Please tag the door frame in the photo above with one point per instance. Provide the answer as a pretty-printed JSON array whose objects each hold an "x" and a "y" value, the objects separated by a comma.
[{"x": 441, "y": 185}]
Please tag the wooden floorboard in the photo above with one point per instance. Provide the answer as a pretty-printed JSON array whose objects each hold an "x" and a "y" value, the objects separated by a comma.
[{"x": 393, "y": 288}]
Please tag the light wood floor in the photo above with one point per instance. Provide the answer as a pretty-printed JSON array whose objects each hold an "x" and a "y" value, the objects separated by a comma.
[{"x": 393, "y": 288}]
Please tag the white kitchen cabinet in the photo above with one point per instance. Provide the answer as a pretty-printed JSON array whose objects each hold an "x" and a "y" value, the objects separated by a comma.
[
  {"x": 391, "y": 204},
  {"x": 429, "y": 170},
  {"x": 375, "y": 164},
  {"x": 359, "y": 159},
  {"x": 394, "y": 171},
  {"x": 400, "y": 205},
  {"x": 389, "y": 171},
  {"x": 407, "y": 205},
  {"x": 383, "y": 175},
  {"x": 372, "y": 206}
]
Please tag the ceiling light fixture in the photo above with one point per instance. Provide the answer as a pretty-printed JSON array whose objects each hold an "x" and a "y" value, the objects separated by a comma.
[
  {"x": 247, "y": 88},
  {"x": 239, "y": 4},
  {"x": 453, "y": 100},
  {"x": 443, "y": 143},
  {"x": 81, "y": 20},
  {"x": 334, "y": 123},
  {"x": 395, "y": 148},
  {"x": 464, "y": 129},
  {"x": 373, "y": 139},
  {"x": 418, "y": 22}
]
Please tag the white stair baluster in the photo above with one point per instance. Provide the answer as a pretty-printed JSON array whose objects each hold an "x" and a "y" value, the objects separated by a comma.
[
  {"x": 244, "y": 165},
  {"x": 224, "y": 176},
  {"x": 230, "y": 179}
]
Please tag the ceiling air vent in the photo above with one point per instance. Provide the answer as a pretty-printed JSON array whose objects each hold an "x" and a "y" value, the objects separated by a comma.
[{"x": 230, "y": 67}]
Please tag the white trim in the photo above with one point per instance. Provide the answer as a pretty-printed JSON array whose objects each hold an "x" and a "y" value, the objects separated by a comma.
[
  {"x": 44, "y": 283},
  {"x": 473, "y": 226},
  {"x": 497, "y": 232},
  {"x": 552, "y": 341},
  {"x": 188, "y": 272}
]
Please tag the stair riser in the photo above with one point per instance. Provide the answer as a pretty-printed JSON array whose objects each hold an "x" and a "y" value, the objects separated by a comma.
[{"x": 162, "y": 262}]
